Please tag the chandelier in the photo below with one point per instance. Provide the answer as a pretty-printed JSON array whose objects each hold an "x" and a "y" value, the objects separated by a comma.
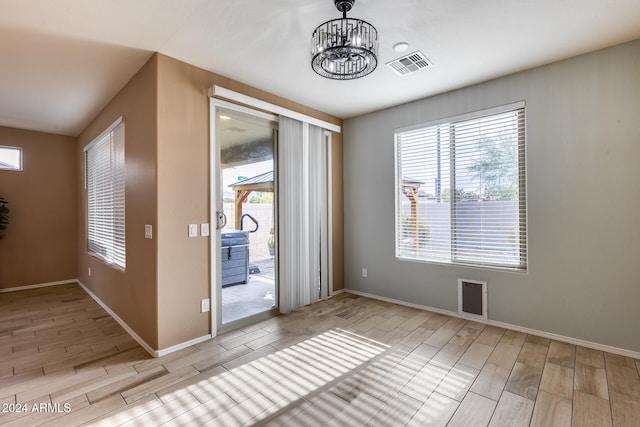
[{"x": 346, "y": 48}]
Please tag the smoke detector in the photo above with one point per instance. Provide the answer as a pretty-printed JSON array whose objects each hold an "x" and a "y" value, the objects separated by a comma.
[{"x": 410, "y": 63}]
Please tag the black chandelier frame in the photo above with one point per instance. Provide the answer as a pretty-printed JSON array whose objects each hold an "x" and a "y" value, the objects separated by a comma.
[{"x": 344, "y": 48}]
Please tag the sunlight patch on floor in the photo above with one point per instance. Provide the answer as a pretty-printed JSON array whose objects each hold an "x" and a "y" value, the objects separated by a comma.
[{"x": 260, "y": 387}]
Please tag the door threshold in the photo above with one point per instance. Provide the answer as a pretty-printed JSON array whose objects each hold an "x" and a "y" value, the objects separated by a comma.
[{"x": 245, "y": 321}]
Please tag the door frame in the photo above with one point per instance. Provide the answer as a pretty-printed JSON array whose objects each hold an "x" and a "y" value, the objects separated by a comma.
[
  {"x": 328, "y": 292},
  {"x": 215, "y": 176},
  {"x": 258, "y": 108}
]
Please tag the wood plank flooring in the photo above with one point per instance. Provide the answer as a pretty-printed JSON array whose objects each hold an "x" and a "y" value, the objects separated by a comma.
[{"x": 347, "y": 361}]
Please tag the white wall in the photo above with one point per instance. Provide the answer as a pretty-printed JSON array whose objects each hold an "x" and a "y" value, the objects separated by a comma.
[{"x": 583, "y": 177}]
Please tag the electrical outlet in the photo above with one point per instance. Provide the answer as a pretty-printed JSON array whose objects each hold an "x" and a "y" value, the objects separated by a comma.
[
  {"x": 204, "y": 305},
  {"x": 364, "y": 272},
  {"x": 148, "y": 231}
]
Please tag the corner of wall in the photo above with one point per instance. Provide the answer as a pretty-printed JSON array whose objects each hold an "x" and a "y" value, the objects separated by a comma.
[{"x": 128, "y": 294}]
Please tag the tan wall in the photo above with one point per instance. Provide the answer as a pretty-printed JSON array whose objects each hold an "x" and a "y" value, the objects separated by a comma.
[
  {"x": 183, "y": 262},
  {"x": 41, "y": 240},
  {"x": 166, "y": 111},
  {"x": 183, "y": 196},
  {"x": 131, "y": 294}
]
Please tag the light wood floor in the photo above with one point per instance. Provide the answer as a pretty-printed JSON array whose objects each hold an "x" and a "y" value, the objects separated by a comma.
[{"x": 348, "y": 361}]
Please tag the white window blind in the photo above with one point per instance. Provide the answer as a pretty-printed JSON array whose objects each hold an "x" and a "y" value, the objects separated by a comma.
[
  {"x": 105, "y": 184},
  {"x": 461, "y": 191}
]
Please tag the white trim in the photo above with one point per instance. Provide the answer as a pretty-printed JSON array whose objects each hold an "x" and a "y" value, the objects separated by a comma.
[
  {"x": 569, "y": 340},
  {"x": 139, "y": 340},
  {"x": 215, "y": 206},
  {"x": 234, "y": 325},
  {"x": 214, "y": 234},
  {"x": 245, "y": 110},
  {"x": 562, "y": 338},
  {"x": 121, "y": 322},
  {"x": 174, "y": 348},
  {"x": 105, "y": 132},
  {"x": 338, "y": 292},
  {"x": 484, "y": 315},
  {"x": 329, "y": 152},
  {"x": 20, "y": 158},
  {"x": 465, "y": 116},
  {"x": 37, "y": 285},
  {"x": 404, "y": 303},
  {"x": 510, "y": 113},
  {"x": 220, "y": 92}
]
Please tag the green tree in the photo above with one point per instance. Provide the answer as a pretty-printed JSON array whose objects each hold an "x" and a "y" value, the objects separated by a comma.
[
  {"x": 496, "y": 168},
  {"x": 261, "y": 197}
]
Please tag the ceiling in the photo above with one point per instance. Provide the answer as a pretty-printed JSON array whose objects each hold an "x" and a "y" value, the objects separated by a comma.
[
  {"x": 62, "y": 61},
  {"x": 244, "y": 139}
]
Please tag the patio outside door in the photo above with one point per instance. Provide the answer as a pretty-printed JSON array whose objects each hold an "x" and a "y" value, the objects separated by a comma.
[{"x": 244, "y": 193}]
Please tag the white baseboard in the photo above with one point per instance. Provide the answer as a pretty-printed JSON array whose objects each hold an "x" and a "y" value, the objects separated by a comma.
[
  {"x": 38, "y": 285},
  {"x": 153, "y": 352},
  {"x": 136, "y": 337},
  {"x": 122, "y": 323},
  {"x": 556, "y": 337},
  {"x": 180, "y": 346},
  {"x": 173, "y": 348}
]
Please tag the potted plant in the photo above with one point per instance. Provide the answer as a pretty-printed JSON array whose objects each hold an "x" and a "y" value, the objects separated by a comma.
[{"x": 4, "y": 215}]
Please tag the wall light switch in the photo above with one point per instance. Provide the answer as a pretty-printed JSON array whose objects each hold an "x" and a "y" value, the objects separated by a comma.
[
  {"x": 193, "y": 230},
  {"x": 204, "y": 230},
  {"x": 148, "y": 231},
  {"x": 364, "y": 272},
  {"x": 204, "y": 305}
]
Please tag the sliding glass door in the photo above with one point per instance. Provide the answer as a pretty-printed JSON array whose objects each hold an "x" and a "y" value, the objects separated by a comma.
[
  {"x": 271, "y": 211},
  {"x": 244, "y": 192}
]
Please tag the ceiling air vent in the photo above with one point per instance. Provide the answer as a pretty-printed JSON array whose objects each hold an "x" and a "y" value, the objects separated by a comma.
[{"x": 409, "y": 63}]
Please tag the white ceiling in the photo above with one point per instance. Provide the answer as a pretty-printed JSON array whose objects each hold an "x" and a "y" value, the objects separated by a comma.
[{"x": 61, "y": 61}]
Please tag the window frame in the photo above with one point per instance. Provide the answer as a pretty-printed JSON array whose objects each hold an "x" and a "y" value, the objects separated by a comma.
[
  {"x": 523, "y": 239},
  {"x": 109, "y": 132},
  {"x": 21, "y": 158}
]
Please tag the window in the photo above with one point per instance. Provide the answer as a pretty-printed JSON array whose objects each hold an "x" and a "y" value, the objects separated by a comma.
[
  {"x": 10, "y": 158},
  {"x": 105, "y": 196},
  {"x": 461, "y": 194}
]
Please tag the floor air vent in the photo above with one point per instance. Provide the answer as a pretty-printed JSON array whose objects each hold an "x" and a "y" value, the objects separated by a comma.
[
  {"x": 472, "y": 298},
  {"x": 409, "y": 63}
]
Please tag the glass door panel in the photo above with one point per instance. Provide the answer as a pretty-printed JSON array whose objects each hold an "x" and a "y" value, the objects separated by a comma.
[{"x": 246, "y": 264}]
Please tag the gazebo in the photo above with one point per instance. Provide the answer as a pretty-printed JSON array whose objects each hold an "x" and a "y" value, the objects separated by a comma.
[
  {"x": 242, "y": 189},
  {"x": 264, "y": 182},
  {"x": 410, "y": 190}
]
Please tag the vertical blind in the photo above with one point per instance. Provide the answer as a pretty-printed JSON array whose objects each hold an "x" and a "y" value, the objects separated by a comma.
[
  {"x": 303, "y": 217},
  {"x": 461, "y": 191},
  {"x": 105, "y": 176}
]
